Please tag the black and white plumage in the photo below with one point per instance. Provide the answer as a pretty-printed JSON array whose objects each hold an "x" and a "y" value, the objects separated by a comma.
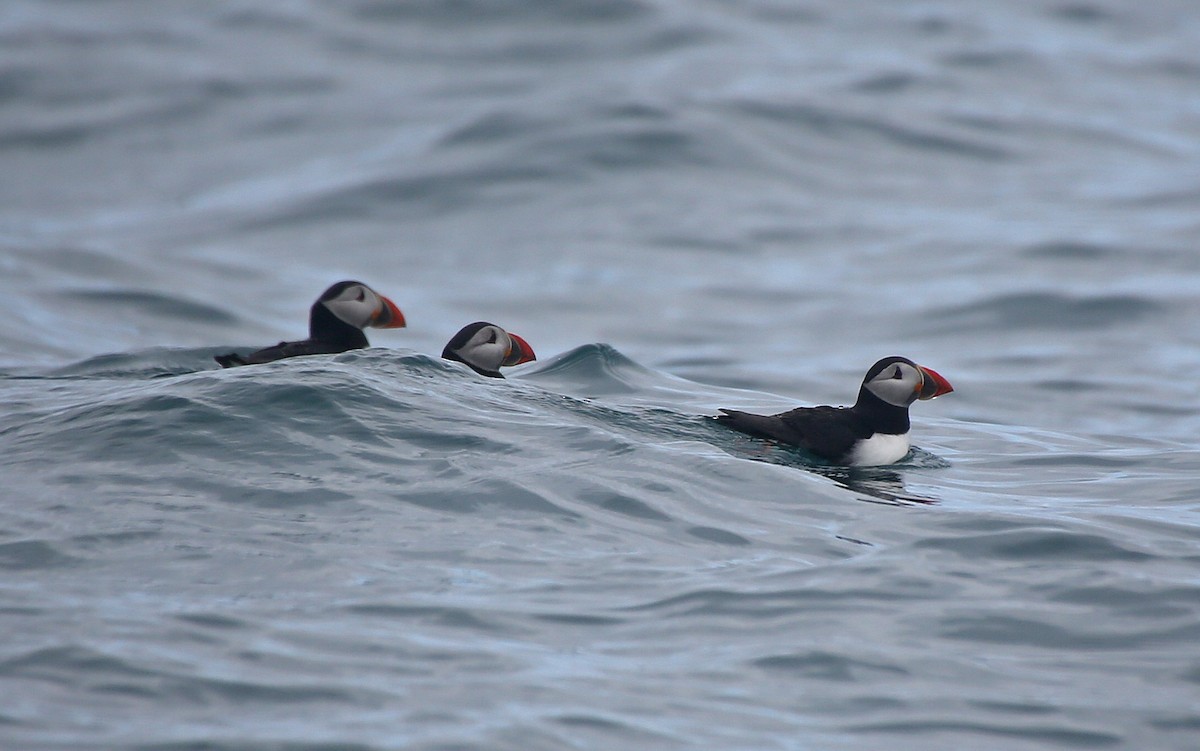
[
  {"x": 485, "y": 348},
  {"x": 874, "y": 431},
  {"x": 335, "y": 324}
]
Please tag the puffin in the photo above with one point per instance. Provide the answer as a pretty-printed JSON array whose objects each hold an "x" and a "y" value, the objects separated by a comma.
[
  {"x": 872, "y": 432},
  {"x": 485, "y": 347},
  {"x": 335, "y": 324}
]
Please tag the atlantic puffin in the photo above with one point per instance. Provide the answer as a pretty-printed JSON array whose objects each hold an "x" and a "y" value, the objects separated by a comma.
[
  {"x": 872, "y": 432},
  {"x": 485, "y": 347},
  {"x": 335, "y": 324}
]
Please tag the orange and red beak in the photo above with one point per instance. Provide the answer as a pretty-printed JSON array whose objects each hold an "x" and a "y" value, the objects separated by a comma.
[
  {"x": 388, "y": 316},
  {"x": 932, "y": 384},
  {"x": 521, "y": 351}
]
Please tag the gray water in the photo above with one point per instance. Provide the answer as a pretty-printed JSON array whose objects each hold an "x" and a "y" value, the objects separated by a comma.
[{"x": 682, "y": 206}]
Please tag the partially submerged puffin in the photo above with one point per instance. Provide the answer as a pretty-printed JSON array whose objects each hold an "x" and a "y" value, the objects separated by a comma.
[
  {"x": 874, "y": 431},
  {"x": 485, "y": 347},
  {"x": 335, "y": 324}
]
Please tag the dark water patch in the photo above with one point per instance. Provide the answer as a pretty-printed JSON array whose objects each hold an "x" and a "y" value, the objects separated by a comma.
[
  {"x": 1016, "y": 708},
  {"x": 100, "y": 543},
  {"x": 826, "y": 666},
  {"x": 590, "y": 721},
  {"x": 589, "y": 729},
  {"x": 494, "y": 127},
  {"x": 77, "y": 131},
  {"x": 16, "y": 83},
  {"x": 273, "y": 491},
  {"x": 621, "y": 147},
  {"x": 452, "y": 12},
  {"x": 243, "y": 744},
  {"x": 69, "y": 664},
  {"x": 887, "y": 83},
  {"x": 579, "y": 619},
  {"x": 21, "y": 612},
  {"x": 262, "y": 19},
  {"x": 1187, "y": 723},
  {"x": 203, "y": 691},
  {"x": 81, "y": 262},
  {"x": 457, "y": 618},
  {"x": 215, "y": 89},
  {"x": 49, "y": 137},
  {"x": 1071, "y": 251},
  {"x": 1156, "y": 603},
  {"x": 622, "y": 504},
  {"x": 1036, "y": 544},
  {"x": 1046, "y": 311},
  {"x": 1002, "y": 629},
  {"x": 771, "y": 604},
  {"x": 212, "y": 620},
  {"x": 413, "y": 195},
  {"x": 995, "y": 58},
  {"x": 152, "y": 304},
  {"x": 1179, "y": 68},
  {"x": 786, "y": 13},
  {"x": 27, "y": 555},
  {"x": 1070, "y": 385},
  {"x": 720, "y": 536},
  {"x": 840, "y": 125},
  {"x": 1042, "y": 734},
  {"x": 635, "y": 111},
  {"x": 987, "y": 124},
  {"x": 1081, "y": 13},
  {"x": 1143, "y": 408},
  {"x": 646, "y": 147}
]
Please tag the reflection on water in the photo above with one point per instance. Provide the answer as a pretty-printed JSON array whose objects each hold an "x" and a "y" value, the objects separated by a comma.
[{"x": 879, "y": 484}]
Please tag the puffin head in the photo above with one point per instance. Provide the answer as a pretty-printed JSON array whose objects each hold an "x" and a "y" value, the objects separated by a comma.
[
  {"x": 357, "y": 305},
  {"x": 485, "y": 348},
  {"x": 900, "y": 381}
]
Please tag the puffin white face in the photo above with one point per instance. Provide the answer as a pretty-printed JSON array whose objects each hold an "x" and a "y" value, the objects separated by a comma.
[
  {"x": 899, "y": 383},
  {"x": 360, "y": 306},
  {"x": 487, "y": 349},
  {"x": 355, "y": 305}
]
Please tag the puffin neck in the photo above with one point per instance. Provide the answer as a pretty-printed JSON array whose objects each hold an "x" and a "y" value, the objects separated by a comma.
[
  {"x": 881, "y": 416},
  {"x": 324, "y": 326}
]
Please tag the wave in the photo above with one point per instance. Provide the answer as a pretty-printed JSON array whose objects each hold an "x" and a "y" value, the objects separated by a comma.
[{"x": 422, "y": 430}]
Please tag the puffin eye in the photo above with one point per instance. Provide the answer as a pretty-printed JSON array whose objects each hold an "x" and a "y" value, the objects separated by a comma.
[
  {"x": 897, "y": 375},
  {"x": 492, "y": 337},
  {"x": 361, "y": 295}
]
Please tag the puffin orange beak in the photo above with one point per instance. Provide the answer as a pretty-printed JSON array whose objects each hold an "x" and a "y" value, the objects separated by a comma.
[
  {"x": 932, "y": 384},
  {"x": 388, "y": 316},
  {"x": 520, "y": 352}
]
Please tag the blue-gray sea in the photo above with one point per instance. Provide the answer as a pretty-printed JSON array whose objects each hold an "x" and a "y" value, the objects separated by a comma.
[{"x": 682, "y": 205}]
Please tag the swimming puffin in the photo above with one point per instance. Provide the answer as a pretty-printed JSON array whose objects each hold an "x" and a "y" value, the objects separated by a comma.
[
  {"x": 874, "y": 431},
  {"x": 485, "y": 347},
  {"x": 335, "y": 324}
]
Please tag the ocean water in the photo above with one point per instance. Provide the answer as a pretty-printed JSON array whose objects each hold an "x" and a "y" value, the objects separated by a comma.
[{"x": 682, "y": 206}]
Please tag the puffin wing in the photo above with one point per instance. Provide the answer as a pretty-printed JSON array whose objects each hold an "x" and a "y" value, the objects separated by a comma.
[
  {"x": 762, "y": 426},
  {"x": 828, "y": 432},
  {"x": 281, "y": 351}
]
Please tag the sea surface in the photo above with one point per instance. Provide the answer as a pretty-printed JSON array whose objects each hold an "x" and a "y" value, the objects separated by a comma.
[{"x": 682, "y": 205}]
